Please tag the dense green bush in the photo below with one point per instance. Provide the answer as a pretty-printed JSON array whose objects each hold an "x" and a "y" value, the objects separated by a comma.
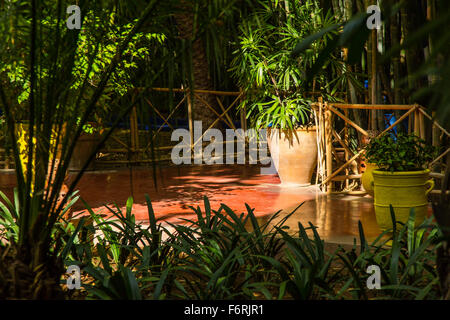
[{"x": 404, "y": 152}]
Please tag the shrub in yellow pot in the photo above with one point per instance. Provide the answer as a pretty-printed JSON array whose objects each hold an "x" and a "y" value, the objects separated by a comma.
[{"x": 402, "y": 179}]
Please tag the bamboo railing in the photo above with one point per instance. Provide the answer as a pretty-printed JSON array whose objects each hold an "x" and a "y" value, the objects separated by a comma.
[
  {"x": 327, "y": 137},
  {"x": 132, "y": 146}
]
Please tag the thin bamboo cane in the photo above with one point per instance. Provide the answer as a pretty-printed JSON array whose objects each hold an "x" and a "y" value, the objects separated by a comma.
[
  {"x": 230, "y": 121},
  {"x": 121, "y": 142},
  {"x": 328, "y": 147},
  {"x": 439, "y": 158},
  {"x": 318, "y": 145},
  {"x": 342, "y": 143},
  {"x": 170, "y": 115},
  {"x": 346, "y": 153},
  {"x": 220, "y": 93},
  {"x": 347, "y": 177},
  {"x": 416, "y": 123},
  {"x": 347, "y": 120},
  {"x": 434, "y": 122},
  {"x": 373, "y": 106},
  {"x": 422, "y": 126},
  {"x": 166, "y": 121},
  {"x": 215, "y": 121},
  {"x": 329, "y": 177},
  {"x": 211, "y": 108}
]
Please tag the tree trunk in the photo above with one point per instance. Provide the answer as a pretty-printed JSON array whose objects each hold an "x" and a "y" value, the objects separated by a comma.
[
  {"x": 21, "y": 278},
  {"x": 200, "y": 66},
  {"x": 441, "y": 211},
  {"x": 413, "y": 17},
  {"x": 395, "y": 41}
]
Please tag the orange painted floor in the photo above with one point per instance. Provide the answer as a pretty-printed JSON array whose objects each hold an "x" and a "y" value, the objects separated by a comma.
[{"x": 177, "y": 188}]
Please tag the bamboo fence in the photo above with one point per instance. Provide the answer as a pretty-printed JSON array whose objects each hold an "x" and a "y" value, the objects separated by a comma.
[{"x": 327, "y": 172}]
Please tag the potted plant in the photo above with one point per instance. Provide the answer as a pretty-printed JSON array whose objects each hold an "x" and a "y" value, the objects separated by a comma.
[
  {"x": 277, "y": 89},
  {"x": 402, "y": 179}
]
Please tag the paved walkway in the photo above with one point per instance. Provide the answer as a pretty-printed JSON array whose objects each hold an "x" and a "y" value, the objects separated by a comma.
[{"x": 177, "y": 188}]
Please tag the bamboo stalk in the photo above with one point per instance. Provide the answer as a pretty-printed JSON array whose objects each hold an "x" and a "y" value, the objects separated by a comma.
[
  {"x": 166, "y": 121},
  {"x": 440, "y": 157},
  {"x": 346, "y": 153},
  {"x": 230, "y": 121},
  {"x": 318, "y": 145},
  {"x": 215, "y": 121},
  {"x": 342, "y": 143},
  {"x": 121, "y": 142},
  {"x": 373, "y": 106},
  {"x": 416, "y": 123},
  {"x": 170, "y": 115},
  {"x": 362, "y": 150},
  {"x": 322, "y": 142},
  {"x": 422, "y": 126},
  {"x": 397, "y": 121},
  {"x": 347, "y": 120},
  {"x": 331, "y": 176},
  {"x": 373, "y": 78},
  {"x": 346, "y": 177},
  {"x": 328, "y": 149},
  {"x": 219, "y": 93},
  {"x": 434, "y": 121},
  {"x": 220, "y": 117}
]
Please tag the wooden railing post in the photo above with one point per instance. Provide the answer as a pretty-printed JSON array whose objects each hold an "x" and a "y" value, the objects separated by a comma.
[
  {"x": 417, "y": 123},
  {"x": 328, "y": 147},
  {"x": 422, "y": 126},
  {"x": 346, "y": 154}
]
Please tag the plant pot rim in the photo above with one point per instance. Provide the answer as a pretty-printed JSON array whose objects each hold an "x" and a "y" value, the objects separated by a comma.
[{"x": 400, "y": 173}]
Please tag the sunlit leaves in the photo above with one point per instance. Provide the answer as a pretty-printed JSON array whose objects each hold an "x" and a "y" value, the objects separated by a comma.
[{"x": 263, "y": 64}]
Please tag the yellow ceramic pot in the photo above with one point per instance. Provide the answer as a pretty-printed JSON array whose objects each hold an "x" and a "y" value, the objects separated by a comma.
[
  {"x": 402, "y": 190},
  {"x": 22, "y": 133},
  {"x": 367, "y": 177}
]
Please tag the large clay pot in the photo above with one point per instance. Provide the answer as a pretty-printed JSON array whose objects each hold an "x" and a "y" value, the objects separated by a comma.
[
  {"x": 294, "y": 153},
  {"x": 402, "y": 190},
  {"x": 84, "y": 147}
]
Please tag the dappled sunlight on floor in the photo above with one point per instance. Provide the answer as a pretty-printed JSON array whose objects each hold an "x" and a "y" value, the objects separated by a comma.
[{"x": 178, "y": 188}]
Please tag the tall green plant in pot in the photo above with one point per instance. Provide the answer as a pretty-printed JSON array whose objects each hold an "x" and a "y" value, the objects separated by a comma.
[
  {"x": 402, "y": 179},
  {"x": 278, "y": 97}
]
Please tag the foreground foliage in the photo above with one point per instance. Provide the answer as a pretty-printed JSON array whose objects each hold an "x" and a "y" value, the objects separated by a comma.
[{"x": 223, "y": 255}]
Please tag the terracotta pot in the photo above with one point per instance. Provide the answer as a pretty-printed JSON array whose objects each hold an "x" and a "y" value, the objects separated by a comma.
[
  {"x": 294, "y": 154},
  {"x": 84, "y": 147}
]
